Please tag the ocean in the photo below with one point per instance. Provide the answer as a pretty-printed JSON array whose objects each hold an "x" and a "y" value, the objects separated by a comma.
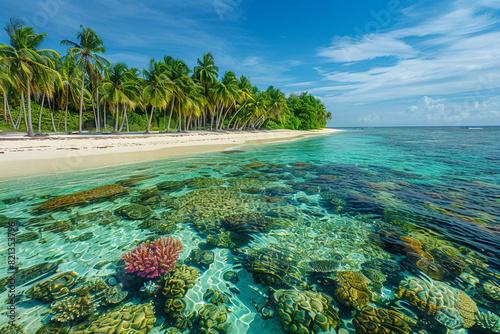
[{"x": 389, "y": 228}]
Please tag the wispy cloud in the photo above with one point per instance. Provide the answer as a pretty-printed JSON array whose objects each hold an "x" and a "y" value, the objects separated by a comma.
[
  {"x": 227, "y": 9},
  {"x": 347, "y": 49},
  {"x": 452, "y": 53}
]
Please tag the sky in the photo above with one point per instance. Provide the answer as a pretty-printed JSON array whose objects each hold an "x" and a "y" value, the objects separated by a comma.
[{"x": 371, "y": 62}]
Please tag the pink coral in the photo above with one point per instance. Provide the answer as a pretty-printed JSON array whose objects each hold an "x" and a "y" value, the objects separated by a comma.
[{"x": 152, "y": 259}]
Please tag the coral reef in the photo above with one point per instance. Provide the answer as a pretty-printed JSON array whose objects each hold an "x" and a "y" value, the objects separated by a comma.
[
  {"x": 82, "y": 197},
  {"x": 213, "y": 319},
  {"x": 216, "y": 297},
  {"x": 466, "y": 307},
  {"x": 73, "y": 308},
  {"x": 24, "y": 275},
  {"x": 273, "y": 266},
  {"x": 203, "y": 182},
  {"x": 201, "y": 258},
  {"x": 127, "y": 319},
  {"x": 488, "y": 321},
  {"x": 378, "y": 321},
  {"x": 323, "y": 266},
  {"x": 426, "y": 295},
  {"x": 135, "y": 211},
  {"x": 53, "y": 288},
  {"x": 153, "y": 258},
  {"x": 176, "y": 287},
  {"x": 352, "y": 289},
  {"x": 306, "y": 311},
  {"x": 12, "y": 329}
]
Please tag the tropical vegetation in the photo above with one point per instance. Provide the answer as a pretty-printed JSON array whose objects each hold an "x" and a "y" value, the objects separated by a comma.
[{"x": 81, "y": 90}]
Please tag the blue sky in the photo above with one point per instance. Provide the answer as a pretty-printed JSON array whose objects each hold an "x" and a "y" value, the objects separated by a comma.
[{"x": 373, "y": 63}]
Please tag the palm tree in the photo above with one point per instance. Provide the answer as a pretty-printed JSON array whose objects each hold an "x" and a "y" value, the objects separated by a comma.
[
  {"x": 6, "y": 82},
  {"x": 226, "y": 94},
  {"x": 119, "y": 89},
  {"x": 86, "y": 52},
  {"x": 31, "y": 67},
  {"x": 157, "y": 88},
  {"x": 246, "y": 88},
  {"x": 70, "y": 73},
  {"x": 179, "y": 76},
  {"x": 276, "y": 106},
  {"x": 206, "y": 73}
]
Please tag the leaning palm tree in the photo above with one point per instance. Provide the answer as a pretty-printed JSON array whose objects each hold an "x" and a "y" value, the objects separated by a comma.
[
  {"x": 6, "y": 84},
  {"x": 245, "y": 91},
  {"x": 86, "y": 52}
]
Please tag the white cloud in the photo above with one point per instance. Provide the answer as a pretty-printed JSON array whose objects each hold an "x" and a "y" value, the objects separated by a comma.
[
  {"x": 454, "y": 53},
  {"x": 439, "y": 110},
  {"x": 370, "y": 118},
  {"x": 347, "y": 49}
]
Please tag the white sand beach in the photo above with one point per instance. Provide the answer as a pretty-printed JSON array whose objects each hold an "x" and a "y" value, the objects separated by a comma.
[{"x": 21, "y": 156}]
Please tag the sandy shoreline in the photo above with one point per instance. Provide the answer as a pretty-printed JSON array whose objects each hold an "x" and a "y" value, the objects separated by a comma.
[{"x": 20, "y": 156}]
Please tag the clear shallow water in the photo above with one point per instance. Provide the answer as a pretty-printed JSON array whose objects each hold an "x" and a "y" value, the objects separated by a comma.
[{"x": 393, "y": 204}]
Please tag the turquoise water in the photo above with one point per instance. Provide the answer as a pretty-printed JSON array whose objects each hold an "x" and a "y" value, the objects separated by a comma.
[{"x": 364, "y": 217}]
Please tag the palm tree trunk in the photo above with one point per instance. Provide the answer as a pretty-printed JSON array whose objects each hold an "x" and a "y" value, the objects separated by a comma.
[
  {"x": 22, "y": 111},
  {"x": 227, "y": 112},
  {"x": 7, "y": 108},
  {"x": 244, "y": 104},
  {"x": 117, "y": 115},
  {"x": 66, "y": 115},
  {"x": 93, "y": 112},
  {"x": 40, "y": 117},
  {"x": 123, "y": 117},
  {"x": 213, "y": 115},
  {"x": 150, "y": 119},
  {"x": 29, "y": 124},
  {"x": 126, "y": 119},
  {"x": 179, "y": 129},
  {"x": 98, "y": 129},
  {"x": 104, "y": 116},
  {"x": 81, "y": 104},
  {"x": 170, "y": 116},
  {"x": 51, "y": 114}
]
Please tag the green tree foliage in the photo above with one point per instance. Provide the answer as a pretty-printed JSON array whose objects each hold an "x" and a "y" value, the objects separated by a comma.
[{"x": 304, "y": 112}]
